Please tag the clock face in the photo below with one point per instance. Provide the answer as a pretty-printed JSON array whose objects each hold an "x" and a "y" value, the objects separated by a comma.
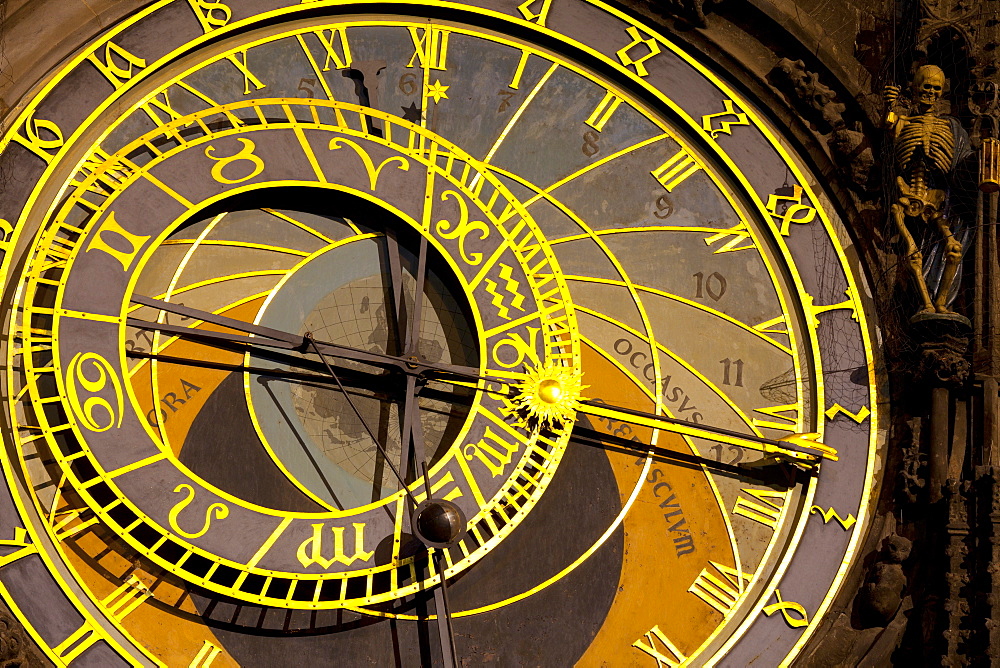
[{"x": 276, "y": 274}]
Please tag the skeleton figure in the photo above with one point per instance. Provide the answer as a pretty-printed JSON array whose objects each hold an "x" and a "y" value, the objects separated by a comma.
[{"x": 927, "y": 147}]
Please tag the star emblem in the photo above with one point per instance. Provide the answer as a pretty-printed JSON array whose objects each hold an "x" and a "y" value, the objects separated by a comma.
[
  {"x": 437, "y": 91},
  {"x": 412, "y": 113}
]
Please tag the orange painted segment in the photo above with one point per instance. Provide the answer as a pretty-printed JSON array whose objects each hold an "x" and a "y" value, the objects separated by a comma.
[
  {"x": 673, "y": 530},
  {"x": 184, "y": 389}
]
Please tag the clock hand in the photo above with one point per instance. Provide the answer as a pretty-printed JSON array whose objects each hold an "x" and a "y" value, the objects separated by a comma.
[
  {"x": 789, "y": 447},
  {"x": 275, "y": 338},
  {"x": 364, "y": 423},
  {"x": 265, "y": 336},
  {"x": 396, "y": 286},
  {"x": 412, "y": 442},
  {"x": 795, "y": 448},
  {"x": 413, "y": 439},
  {"x": 592, "y": 437},
  {"x": 349, "y": 377}
]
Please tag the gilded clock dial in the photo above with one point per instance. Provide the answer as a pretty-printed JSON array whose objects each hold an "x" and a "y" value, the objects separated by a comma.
[{"x": 295, "y": 261}]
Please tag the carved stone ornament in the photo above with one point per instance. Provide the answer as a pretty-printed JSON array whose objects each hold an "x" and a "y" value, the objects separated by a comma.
[
  {"x": 818, "y": 104},
  {"x": 885, "y": 586},
  {"x": 16, "y": 648},
  {"x": 944, "y": 361},
  {"x": 692, "y": 11},
  {"x": 912, "y": 474}
]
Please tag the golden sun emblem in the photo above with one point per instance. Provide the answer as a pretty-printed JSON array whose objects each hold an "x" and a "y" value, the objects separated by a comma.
[{"x": 549, "y": 394}]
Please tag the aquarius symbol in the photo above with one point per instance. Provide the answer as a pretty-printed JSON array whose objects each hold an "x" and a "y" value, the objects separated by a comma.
[{"x": 511, "y": 287}]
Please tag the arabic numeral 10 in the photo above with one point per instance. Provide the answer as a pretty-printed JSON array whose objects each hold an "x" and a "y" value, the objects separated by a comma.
[{"x": 714, "y": 285}]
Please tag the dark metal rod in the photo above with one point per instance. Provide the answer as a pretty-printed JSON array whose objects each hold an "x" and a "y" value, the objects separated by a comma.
[
  {"x": 715, "y": 430},
  {"x": 364, "y": 423}
]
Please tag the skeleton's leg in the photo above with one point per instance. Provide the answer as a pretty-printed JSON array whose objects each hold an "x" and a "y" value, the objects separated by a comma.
[
  {"x": 914, "y": 258},
  {"x": 952, "y": 258}
]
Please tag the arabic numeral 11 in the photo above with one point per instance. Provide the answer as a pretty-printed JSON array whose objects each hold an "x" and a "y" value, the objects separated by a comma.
[{"x": 729, "y": 367}]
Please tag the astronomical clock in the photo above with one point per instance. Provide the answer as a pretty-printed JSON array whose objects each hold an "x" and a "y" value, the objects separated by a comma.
[{"x": 449, "y": 333}]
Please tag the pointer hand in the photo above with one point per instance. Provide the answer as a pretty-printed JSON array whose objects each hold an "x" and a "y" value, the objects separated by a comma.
[
  {"x": 800, "y": 449},
  {"x": 275, "y": 338}
]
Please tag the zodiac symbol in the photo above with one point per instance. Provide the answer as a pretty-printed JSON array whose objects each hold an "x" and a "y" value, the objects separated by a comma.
[
  {"x": 219, "y": 509},
  {"x": 245, "y": 153}
]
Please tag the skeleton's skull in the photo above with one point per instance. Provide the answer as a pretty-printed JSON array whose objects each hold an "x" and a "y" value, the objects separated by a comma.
[{"x": 928, "y": 85}]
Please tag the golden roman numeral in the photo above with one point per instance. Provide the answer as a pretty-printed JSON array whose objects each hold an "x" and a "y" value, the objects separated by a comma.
[
  {"x": 492, "y": 451},
  {"x": 240, "y": 61},
  {"x": 20, "y": 541},
  {"x": 206, "y": 655},
  {"x": 329, "y": 43},
  {"x": 739, "y": 234},
  {"x": 720, "y": 592},
  {"x": 76, "y": 644},
  {"x": 106, "y": 177},
  {"x": 430, "y": 47},
  {"x": 311, "y": 549},
  {"x": 57, "y": 249},
  {"x": 605, "y": 109},
  {"x": 790, "y": 422},
  {"x": 675, "y": 658},
  {"x": 118, "y": 65},
  {"x": 161, "y": 101},
  {"x": 123, "y": 601},
  {"x": 765, "y": 509},
  {"x": 515, "y": 81},
  {"x": 535, "y": 10},
  {"x": 673, "y": 172},
  {"x": 212, "y": 14}
]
